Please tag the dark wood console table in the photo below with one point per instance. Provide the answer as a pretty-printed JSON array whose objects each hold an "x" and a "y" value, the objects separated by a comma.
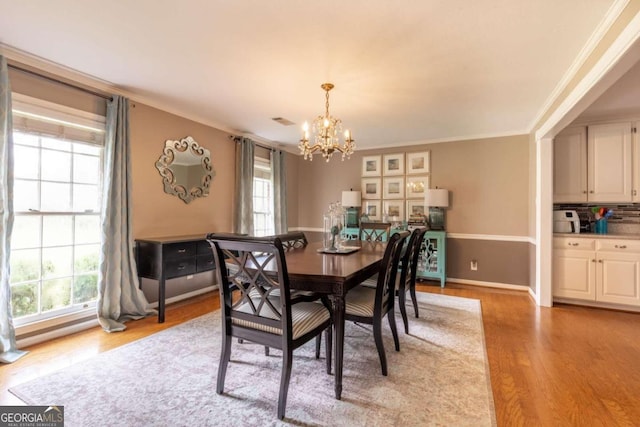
[{"x": 162, "y": 258}]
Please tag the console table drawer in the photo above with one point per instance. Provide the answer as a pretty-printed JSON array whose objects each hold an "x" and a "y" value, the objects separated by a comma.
[
  {"x": 179, "y": 267},
  {"x": 179, "y": 250},
  {"x": 205, "y": 262}
]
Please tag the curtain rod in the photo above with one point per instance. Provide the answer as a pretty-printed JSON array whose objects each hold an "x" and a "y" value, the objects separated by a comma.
[
  {"x": 266, "y": 147},
  {"x": 62, "y": 82}
]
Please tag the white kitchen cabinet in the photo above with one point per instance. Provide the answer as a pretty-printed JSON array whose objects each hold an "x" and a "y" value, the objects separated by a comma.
[
  {"x": 594, "y": 164},
  {"x": 570, "y": 166},
  {"x": 609, "y": 162},
  {"x": 618, "y": 271},
  {"x": 574, "y": 274},
  {"x": 597, "y": 270}
]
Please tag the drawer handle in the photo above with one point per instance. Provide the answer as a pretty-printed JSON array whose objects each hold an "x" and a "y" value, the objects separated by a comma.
[
  {"x": 621, "y": 246},
  {"x": 181, "y": 251},
  {"x": 182, "y": 267},
  {"x": 573, "y": 244}
]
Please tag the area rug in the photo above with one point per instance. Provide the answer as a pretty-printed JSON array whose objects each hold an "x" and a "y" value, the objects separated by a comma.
[{"x": 439, "y": 377}]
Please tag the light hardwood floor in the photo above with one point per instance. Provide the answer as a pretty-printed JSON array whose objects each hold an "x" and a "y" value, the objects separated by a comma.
[{"x": 566, "y": 365}]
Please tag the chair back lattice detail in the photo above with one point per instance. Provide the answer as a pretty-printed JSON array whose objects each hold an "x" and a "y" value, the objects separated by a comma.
[
  {"x": 375, "y": 231},
  {"x": 255, "y": 269},
  {"x": 293, "y": 240}
]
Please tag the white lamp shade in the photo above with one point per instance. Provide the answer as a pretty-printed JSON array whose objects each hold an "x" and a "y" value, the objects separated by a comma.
[
  {"x": 351, "y": 199},
  {"x": 438, "y": 197}
]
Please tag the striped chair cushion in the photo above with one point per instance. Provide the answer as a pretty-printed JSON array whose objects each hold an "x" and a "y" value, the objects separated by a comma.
[
  {"x": 305, "y": 316},
  {"x": 371, "y": 282},
  {"x": 276, "y": 293},
  {"x": 360, "y": 301}
]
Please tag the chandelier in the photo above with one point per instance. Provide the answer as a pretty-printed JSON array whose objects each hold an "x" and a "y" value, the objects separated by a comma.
[{"x": 326, "y": 134}]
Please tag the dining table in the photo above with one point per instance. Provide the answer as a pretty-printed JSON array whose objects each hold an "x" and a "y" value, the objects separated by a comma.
[{"x": 334, "y": 274}]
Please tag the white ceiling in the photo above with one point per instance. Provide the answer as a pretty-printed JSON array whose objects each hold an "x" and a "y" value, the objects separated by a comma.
[{"x": 405, "y": 72}]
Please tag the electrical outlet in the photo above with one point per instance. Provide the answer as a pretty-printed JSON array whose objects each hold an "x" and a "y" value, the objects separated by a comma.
[{"x": 474, "y": 265}]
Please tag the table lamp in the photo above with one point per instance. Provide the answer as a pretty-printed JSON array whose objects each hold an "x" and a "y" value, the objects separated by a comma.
[
  {"x": 351, "y": 202},
  {"x": 437, "y": 199}
]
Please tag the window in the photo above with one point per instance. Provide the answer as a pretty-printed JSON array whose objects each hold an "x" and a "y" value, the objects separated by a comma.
[
  {"x": 263, "y": 220},
  {"x": 55, "y": 243}
]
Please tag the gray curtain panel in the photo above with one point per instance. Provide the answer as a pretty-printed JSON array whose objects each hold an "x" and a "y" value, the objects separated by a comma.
[
  {"x": 279, "y": 179},
  {"x": 243, "y": 209},
  {"x": 8, "y": 350},
  {"x": 119, "y": 296}
]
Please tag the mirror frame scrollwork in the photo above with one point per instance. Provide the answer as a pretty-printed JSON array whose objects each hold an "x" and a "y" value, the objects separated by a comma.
[{"x": 169, "y": 153}]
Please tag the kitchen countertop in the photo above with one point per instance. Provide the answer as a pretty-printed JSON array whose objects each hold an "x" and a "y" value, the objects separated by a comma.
[{"x": 627, "y": 236}]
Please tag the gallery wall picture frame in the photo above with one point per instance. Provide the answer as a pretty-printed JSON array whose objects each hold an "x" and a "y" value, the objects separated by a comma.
[
  {"x": 418, "y": 163},
  {"x": 393, "y": 188},
  {"x": 372, "y": 165},
  {"x": 416, "y": 207},
  {"x": 371, "y": 188},
  {"x": 393, "y": 164},
  {"x": 416, "y": 186},
  {"x": 394, "y": 209},
  {"x": 372, "y": 209}
]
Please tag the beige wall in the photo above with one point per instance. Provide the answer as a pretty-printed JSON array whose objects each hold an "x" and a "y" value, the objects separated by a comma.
[
  {"x": 156, "y": 213},
  {"x": 488, "y": 181}
]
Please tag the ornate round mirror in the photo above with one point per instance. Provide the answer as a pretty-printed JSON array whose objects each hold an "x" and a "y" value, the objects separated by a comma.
[{"x": 186, "y": 169}]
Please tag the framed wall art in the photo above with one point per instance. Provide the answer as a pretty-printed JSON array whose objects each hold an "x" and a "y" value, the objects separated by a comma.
[
  {"x": 372, "y": 209},
  {"x": 393, "y": 188},
  {"x": 416, "y": 207},
  {"x": 394, "y": 209},
  {"x": 416, "y": 186},
  {"x": 372, "y": 166},
  {"x": 371, "y": 188},
  {"x": 393, "y": 164},
  {"x": 418, "y": 163}
]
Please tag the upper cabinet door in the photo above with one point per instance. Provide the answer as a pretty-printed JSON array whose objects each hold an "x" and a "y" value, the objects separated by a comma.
[
  {"x": 570, "y": 166},
  {"x": 609, "y": 162}
]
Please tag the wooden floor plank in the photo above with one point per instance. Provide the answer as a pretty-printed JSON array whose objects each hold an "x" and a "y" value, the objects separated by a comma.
[{"x": 566, "y": 365}]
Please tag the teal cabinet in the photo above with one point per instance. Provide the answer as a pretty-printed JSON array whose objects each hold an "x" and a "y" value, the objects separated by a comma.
[
  {"x": 350, "y": 233},
  {"x": 433, "y": 257}
]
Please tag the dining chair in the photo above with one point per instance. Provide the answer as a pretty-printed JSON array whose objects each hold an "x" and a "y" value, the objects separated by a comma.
[
  {"x": 375, "y": 231},
  {"x": 250, "y": 309},
  {"x": 407, "y": 270},
  {"x": 370, "y": 305}
]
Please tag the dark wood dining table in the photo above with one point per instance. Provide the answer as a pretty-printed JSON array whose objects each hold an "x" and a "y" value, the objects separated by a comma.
[{"x": 334, "y": 275}]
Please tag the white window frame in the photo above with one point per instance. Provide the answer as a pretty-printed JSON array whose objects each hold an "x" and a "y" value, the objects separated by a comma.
[{"x": 35, "y": 116}]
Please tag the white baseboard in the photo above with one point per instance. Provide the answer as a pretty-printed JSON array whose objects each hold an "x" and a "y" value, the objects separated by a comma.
[
  {"x": 608, "y": 306},
  {"x": 57, "y": 333},
  {"x": 489, "y": 284},
  {"x": 186, "y": 295}
]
